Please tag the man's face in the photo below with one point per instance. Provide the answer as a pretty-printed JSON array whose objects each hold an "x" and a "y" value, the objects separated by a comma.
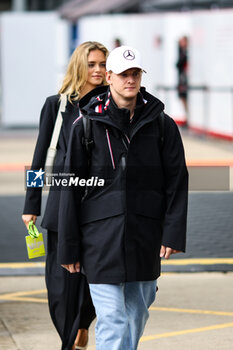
[{"x": 125, "y": 85}]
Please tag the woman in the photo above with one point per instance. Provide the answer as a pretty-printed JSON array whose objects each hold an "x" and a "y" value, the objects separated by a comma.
[{"x": 70, "y": 305}]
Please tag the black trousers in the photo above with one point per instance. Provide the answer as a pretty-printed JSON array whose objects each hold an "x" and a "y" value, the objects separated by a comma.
[{"x": 69, "y": 299}]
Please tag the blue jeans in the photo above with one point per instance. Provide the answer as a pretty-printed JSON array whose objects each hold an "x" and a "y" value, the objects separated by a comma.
[{"x": 122, "y": 312}]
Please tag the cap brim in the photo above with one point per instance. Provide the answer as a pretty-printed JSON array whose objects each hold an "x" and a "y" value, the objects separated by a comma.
[{"x": 121, "y": 70}]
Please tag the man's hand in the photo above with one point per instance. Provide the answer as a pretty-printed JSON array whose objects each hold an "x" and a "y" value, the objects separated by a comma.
[
  {"x": 72, "y": 268},
  {"x": 166, "y": 252}
]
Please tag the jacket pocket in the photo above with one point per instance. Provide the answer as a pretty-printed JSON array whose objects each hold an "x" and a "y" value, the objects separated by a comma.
[{"x": 109, "y": 205}]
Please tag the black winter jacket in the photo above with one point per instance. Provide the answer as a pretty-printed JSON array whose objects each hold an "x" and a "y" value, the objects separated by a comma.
[{"x": 116, "y": 230}]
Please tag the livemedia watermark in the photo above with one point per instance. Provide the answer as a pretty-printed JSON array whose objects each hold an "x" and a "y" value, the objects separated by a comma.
[
  {"x": 201, "y": 178},
  {"x": 41, "y": 179}
]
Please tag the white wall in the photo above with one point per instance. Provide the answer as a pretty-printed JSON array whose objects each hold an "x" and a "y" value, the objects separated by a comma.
[
  {"x": 211, "y": 57},
  {"x": 210, "y": 54},
  {"x": 34, "y": 51}
]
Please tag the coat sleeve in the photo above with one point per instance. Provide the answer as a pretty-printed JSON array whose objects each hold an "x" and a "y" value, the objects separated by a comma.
[
  {"x": 69, "y": 237},
  {"x": 47, "y": 120},
  {"x": 176, "y": 188}
]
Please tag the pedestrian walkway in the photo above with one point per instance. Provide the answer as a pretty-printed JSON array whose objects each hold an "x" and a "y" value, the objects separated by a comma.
[{"x": 191, "y": 311}]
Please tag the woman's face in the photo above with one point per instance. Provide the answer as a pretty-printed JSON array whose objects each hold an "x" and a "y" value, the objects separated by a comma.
[{"x": 96, "y": 68}]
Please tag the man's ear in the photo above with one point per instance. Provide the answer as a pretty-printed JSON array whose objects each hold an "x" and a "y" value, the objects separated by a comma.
[{"x": 108, "y": 77}]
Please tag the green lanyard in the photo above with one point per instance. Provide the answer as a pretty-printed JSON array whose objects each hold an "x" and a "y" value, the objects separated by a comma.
[{"x": 32, "y": 230}]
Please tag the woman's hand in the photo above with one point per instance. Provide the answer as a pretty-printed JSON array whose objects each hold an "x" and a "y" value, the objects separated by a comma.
[{"x": 28, "y": 217}]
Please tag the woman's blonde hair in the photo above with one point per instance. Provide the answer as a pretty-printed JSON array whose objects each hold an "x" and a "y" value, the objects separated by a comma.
[{"x": 77, "y": 70}]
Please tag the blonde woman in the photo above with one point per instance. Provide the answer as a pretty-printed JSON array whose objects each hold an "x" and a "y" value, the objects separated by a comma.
[{"x": 70, "y": 305}]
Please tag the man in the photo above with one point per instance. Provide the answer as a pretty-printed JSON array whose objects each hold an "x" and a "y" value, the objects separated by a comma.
[{"x": 119, "y": 231}]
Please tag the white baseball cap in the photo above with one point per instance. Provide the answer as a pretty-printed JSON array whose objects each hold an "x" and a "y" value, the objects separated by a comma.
[{"x": 123, "y": 58}]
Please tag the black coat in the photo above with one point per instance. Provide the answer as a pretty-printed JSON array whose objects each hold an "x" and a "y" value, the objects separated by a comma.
[
  {"x": 116, "y": 230},
  {"x": 47, "y": 120},
  {"x": 70, "y": 303}
]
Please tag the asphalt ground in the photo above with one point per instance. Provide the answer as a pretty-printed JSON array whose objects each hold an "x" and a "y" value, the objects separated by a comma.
[{"x": 192, "y": 310}]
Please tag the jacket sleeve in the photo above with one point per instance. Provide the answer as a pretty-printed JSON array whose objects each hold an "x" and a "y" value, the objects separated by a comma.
[
  {"x": 47, "y": 120},
  {"x": 176, "y": 188},
  {"x": 69, "y": 240}
]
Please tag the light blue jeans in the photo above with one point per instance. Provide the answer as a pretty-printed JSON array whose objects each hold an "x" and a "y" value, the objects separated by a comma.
[{"x": 122, "y": 312}]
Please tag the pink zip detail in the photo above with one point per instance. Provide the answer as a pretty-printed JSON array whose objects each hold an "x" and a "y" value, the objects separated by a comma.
[
  {"x": 106, "y": 104},
  {"x": 80, "y": 116},
  {"x": 127, "y": 138},
  {"x": 110, "y": 149}
]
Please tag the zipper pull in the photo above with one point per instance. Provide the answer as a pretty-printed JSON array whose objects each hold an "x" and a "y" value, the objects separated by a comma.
[{"x": 123, "y": 162}]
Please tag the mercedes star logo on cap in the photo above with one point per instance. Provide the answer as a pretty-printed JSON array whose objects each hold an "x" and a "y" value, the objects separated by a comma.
[{"x": 129, "y": 55}]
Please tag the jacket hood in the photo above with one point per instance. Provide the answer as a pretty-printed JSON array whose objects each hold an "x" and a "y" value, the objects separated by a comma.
[
  {"x": 97, "y": 104},
  {"x": 95, "y": 92}
]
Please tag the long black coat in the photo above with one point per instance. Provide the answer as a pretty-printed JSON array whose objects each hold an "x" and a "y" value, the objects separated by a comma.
[
  {"x": 47, "y": 120},
  {"x": 116, "y": 230},
  {"x": 70, "y": 303}
]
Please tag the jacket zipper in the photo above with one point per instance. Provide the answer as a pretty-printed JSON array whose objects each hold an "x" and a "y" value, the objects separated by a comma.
[{"x": 126, "y": 144}]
